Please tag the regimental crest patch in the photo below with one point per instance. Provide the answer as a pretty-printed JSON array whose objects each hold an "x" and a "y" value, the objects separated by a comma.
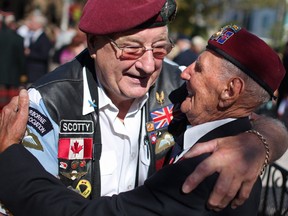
[
  {"x": 224, "y": 37},
  {"x": 225, "y": 33},
  {"x": 30, "y": 140},
  {"x": 160, "y": 97},
  {"x": 84, "y": 187},
  {"x": 164, "y": 140}
]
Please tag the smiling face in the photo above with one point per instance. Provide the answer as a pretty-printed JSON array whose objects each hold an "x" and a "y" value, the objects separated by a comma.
[
  {"x": 122, "y": 79},
  {"x": 204, "y": 89}
]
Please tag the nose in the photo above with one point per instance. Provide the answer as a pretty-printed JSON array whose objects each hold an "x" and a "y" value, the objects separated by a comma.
[
  {"x": 146, "y": 62},
  {"x": 186, "y": 74}
]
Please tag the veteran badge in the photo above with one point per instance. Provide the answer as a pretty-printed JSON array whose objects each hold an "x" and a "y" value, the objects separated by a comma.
[
  {"x": 158, "y": 135},
  {"x": 84, "y": 187},
  {"x": 160, "y": 98}
]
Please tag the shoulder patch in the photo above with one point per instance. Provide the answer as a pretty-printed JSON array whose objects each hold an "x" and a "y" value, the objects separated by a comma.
[
  {"x": 39, "y": 122},
  {"x": 30, "y": 140}
]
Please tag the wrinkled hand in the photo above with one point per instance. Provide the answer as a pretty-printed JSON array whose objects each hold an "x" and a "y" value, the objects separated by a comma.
[
  {"x": 13, "y": 120},
  {"x": 238, "y": 160}
]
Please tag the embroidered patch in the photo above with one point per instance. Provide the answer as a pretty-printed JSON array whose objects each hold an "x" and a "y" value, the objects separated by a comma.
[
  {"x": 221, "y": 32},
  {"x": 150, "y": 126},
  {"x": 164, "y": 141},
  {"x": 162, "y": 117},
  {"x": 160, "y": 97},
  {"x": 225, "y": 36},
  {"x": 39, "y": 122},
  {"x": 76, "y": 127},
  {"x": 84, "y": 187},
  {"x": 30, "y": 140},
  {"x": 63, "y": 165},
  {"x": 75, "y": 148}
]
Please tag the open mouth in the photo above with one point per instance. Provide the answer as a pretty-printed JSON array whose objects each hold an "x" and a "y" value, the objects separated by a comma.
[
  {"x": 137, "y": 77},
  {"x": 190, "y": 92}
]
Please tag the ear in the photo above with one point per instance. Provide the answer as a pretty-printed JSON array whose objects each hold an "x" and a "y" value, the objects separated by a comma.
[
  {"x": 91, "y": 45},
  {"x": 231, "y": 93}
]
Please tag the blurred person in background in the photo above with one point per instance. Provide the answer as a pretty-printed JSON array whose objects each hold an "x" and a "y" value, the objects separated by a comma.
[
  {"x": 282, "y": 110},
  {"x": 77, "y": 45},
  {"x": 12, "y": 58},
  {"x": 283, "y": 88},
  {"x": 186, "y": 56},
  {"x": 198, "y": 44},
  {"x": 23, "y": 31},
  {"x": 38, "y": 51}
]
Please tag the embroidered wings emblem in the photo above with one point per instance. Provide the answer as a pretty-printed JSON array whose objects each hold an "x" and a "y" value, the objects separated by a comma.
[{"x": 160, "y": 97}]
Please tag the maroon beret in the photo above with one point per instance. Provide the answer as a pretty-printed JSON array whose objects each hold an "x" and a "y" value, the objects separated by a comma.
[
  {"x": 249, "y": 53},
  {"x": 101, "y": 17}
]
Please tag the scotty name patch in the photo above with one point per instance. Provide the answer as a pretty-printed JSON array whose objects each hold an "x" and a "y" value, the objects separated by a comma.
[{"x": 76, "y": 127}]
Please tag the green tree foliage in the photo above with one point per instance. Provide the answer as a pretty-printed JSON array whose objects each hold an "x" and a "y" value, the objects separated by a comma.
[{"x": 197, "y": 17}]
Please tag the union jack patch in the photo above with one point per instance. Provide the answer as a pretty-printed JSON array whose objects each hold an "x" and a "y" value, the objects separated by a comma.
[{"x": 162, "y": 117}]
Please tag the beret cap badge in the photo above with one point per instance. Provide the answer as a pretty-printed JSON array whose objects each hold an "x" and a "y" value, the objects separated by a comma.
[
  {"x": 169, "y": 10},
  {"x": 231, "y": 28}
]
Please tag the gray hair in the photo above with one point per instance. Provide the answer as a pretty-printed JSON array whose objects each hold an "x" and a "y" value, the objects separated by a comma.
[{"x": 252, "y": 89}]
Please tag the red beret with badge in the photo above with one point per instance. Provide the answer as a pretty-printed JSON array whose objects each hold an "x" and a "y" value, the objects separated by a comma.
[
  {"x": 102, "y": 17},
  {"x": 249, "y": 53}
]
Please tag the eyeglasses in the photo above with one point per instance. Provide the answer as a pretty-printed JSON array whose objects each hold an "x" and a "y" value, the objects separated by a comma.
[{"x": 135, "y": 52}]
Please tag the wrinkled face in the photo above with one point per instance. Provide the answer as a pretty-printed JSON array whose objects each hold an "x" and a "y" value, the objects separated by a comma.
[
  {"x": 125, "y": 79},
  {"x": 204, "y": 88}
]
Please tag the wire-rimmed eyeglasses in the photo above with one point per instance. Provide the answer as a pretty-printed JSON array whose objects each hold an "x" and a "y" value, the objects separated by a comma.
[{"x": 135, "y": 52}]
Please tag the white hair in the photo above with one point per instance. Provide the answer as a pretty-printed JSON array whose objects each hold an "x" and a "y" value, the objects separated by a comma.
[{"x": 252, "y": 88}]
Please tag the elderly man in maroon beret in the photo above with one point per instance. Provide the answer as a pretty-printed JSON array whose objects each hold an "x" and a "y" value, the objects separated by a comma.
[
  {"x": 104, "y": 122},
  {"x": 233, "y": 77}
]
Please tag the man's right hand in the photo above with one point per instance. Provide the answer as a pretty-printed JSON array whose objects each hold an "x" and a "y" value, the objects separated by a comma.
[{"x": 13, "y": 120}]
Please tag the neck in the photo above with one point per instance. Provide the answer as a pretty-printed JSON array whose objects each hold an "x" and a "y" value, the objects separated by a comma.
[
  {"x": 123, "y": 106},
  {"x": 220, "y": 114}
]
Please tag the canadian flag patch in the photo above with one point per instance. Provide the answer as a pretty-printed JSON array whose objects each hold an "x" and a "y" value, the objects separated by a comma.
[{"x": 75, "y": 148}]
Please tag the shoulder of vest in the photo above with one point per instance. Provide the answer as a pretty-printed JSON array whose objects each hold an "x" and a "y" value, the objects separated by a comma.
[{"x": 62, "y": 89}]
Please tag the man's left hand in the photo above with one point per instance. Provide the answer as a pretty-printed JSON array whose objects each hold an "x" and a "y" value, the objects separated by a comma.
[{"x": 13, "y": 120}]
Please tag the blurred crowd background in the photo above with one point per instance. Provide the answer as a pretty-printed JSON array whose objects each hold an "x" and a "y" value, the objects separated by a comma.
[{"x": 38, "y": 35}]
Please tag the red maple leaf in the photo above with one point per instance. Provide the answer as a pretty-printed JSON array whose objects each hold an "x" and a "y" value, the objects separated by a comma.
[{"x": 76, "y": 148}]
